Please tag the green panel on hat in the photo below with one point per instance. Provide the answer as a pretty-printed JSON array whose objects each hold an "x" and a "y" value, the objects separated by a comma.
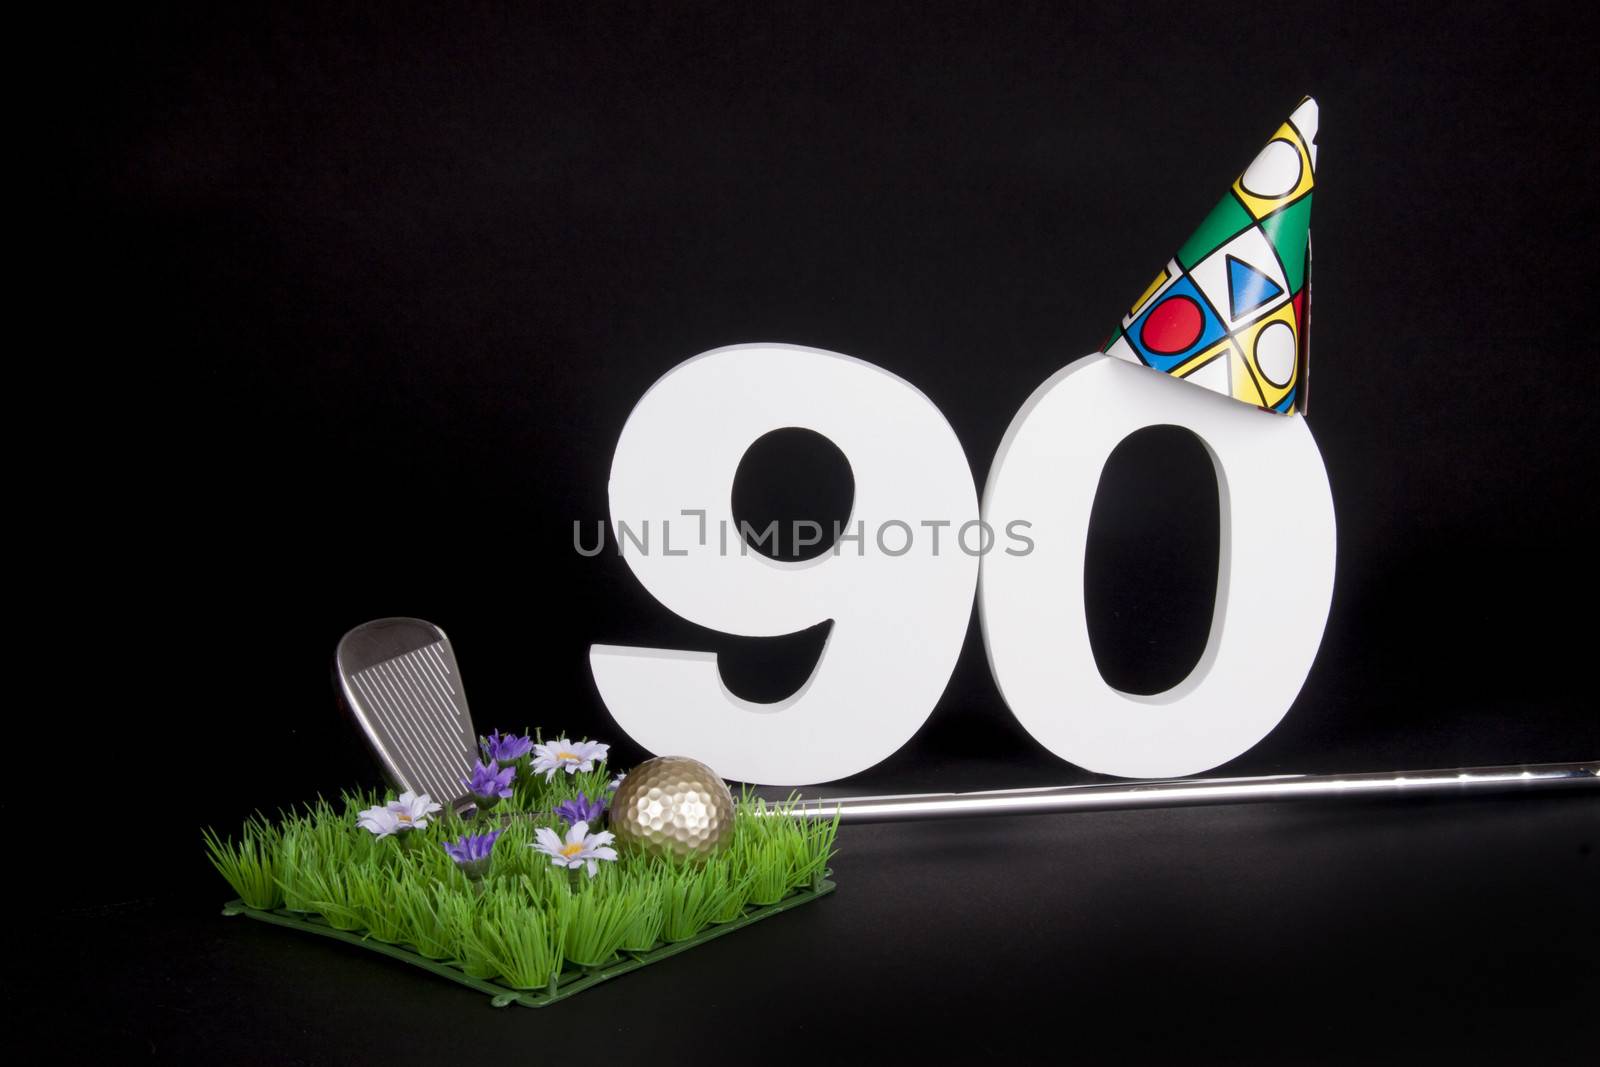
[
  {"x": 1287, "y": 231},
  {"x": 1226, "y": 220}
]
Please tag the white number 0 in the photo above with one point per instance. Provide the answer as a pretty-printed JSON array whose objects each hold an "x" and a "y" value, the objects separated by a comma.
[{"x": 899, "y": 589}]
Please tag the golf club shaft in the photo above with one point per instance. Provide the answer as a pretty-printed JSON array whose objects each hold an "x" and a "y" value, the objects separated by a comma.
[{"x": 1471, "y": 781}]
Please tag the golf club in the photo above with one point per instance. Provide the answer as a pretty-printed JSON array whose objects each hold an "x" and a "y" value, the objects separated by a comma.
[
  {"x": 401, "y": 680},
  {"x": 1191, "y": 792}
]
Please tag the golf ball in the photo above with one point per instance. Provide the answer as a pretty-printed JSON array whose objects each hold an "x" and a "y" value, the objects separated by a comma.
[{"x": 673, "y": 806}]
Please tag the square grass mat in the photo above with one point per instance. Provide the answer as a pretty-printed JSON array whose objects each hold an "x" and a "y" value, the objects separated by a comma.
[{"x": 571, "y": 980}]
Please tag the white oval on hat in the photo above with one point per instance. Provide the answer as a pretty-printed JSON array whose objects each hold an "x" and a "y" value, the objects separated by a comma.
[
  {"x": 1304, "y": 119},
  {"x": 1275, "y": 172},
  {"x": 1275, "y": 352}
]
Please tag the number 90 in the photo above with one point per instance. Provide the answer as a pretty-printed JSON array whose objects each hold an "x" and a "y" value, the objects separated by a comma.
[{"x": 900, "y": 611}]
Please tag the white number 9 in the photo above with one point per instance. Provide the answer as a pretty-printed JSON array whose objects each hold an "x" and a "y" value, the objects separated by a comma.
[{"x": 899, "y": 611}]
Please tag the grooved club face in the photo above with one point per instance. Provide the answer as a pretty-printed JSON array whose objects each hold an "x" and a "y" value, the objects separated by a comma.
[{"x": 400, "y": 678}]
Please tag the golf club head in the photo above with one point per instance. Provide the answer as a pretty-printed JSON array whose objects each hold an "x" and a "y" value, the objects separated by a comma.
[{"x": 400, "y": 678}]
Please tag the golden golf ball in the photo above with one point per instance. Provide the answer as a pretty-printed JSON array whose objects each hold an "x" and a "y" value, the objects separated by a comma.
[{"x": 673, "y": 806}]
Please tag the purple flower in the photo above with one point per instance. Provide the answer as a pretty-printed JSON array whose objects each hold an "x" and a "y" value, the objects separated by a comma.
[
  {"x": 582, "y": 809},
  {"x": 489, "y": 785},
  {"x": 471, "y": 852},
  {"x": 505, "y": 748}
]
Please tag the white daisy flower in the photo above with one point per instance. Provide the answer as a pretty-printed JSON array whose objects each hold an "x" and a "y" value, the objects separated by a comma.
[
  {"x": 413, "y": 809},
  {"x": 571, "y": 756},
  {"x": 580, "y": 848},
  {"x": 379, "y": 821},
  {"x": 410, "y": 812}
]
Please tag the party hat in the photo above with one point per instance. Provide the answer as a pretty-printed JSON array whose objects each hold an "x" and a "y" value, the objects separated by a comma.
[{"x": 1232, "y": 310}]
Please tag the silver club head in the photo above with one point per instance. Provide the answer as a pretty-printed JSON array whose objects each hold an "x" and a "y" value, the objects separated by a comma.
[{"x": 400, "y": 678}]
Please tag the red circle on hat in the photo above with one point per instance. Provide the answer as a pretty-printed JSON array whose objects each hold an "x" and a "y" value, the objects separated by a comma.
[{"x": 1172, "y": 326}]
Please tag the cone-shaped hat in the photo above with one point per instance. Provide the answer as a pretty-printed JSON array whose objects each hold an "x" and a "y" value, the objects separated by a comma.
[{"x": 1232, "y": 310}]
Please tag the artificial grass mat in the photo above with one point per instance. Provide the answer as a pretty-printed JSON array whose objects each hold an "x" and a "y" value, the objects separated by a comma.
[{"x": 525, "y": 932}]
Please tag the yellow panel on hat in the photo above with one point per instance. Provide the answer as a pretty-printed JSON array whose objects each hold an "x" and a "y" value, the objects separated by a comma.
[
  {"x": 1207, "y": 360},
  {"x": 1158, "y": 285},
  {"x": 1281, "y": 173},
  {"x": 1270, "y": 348},
  {"x": 1242, "y": 380}
]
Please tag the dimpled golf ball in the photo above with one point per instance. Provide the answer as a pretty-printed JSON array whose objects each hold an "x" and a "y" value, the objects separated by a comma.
[{"x": 673, "y": 806}]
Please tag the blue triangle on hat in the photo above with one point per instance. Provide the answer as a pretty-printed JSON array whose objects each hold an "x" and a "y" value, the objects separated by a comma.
[{"x": 1248, "y": 288}]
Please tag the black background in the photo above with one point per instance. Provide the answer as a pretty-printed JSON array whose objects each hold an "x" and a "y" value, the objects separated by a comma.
[{"x": 353, "y": 307}]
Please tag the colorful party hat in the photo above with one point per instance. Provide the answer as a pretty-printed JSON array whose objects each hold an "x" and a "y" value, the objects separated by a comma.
[{"x": 1232, "y": 311}]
